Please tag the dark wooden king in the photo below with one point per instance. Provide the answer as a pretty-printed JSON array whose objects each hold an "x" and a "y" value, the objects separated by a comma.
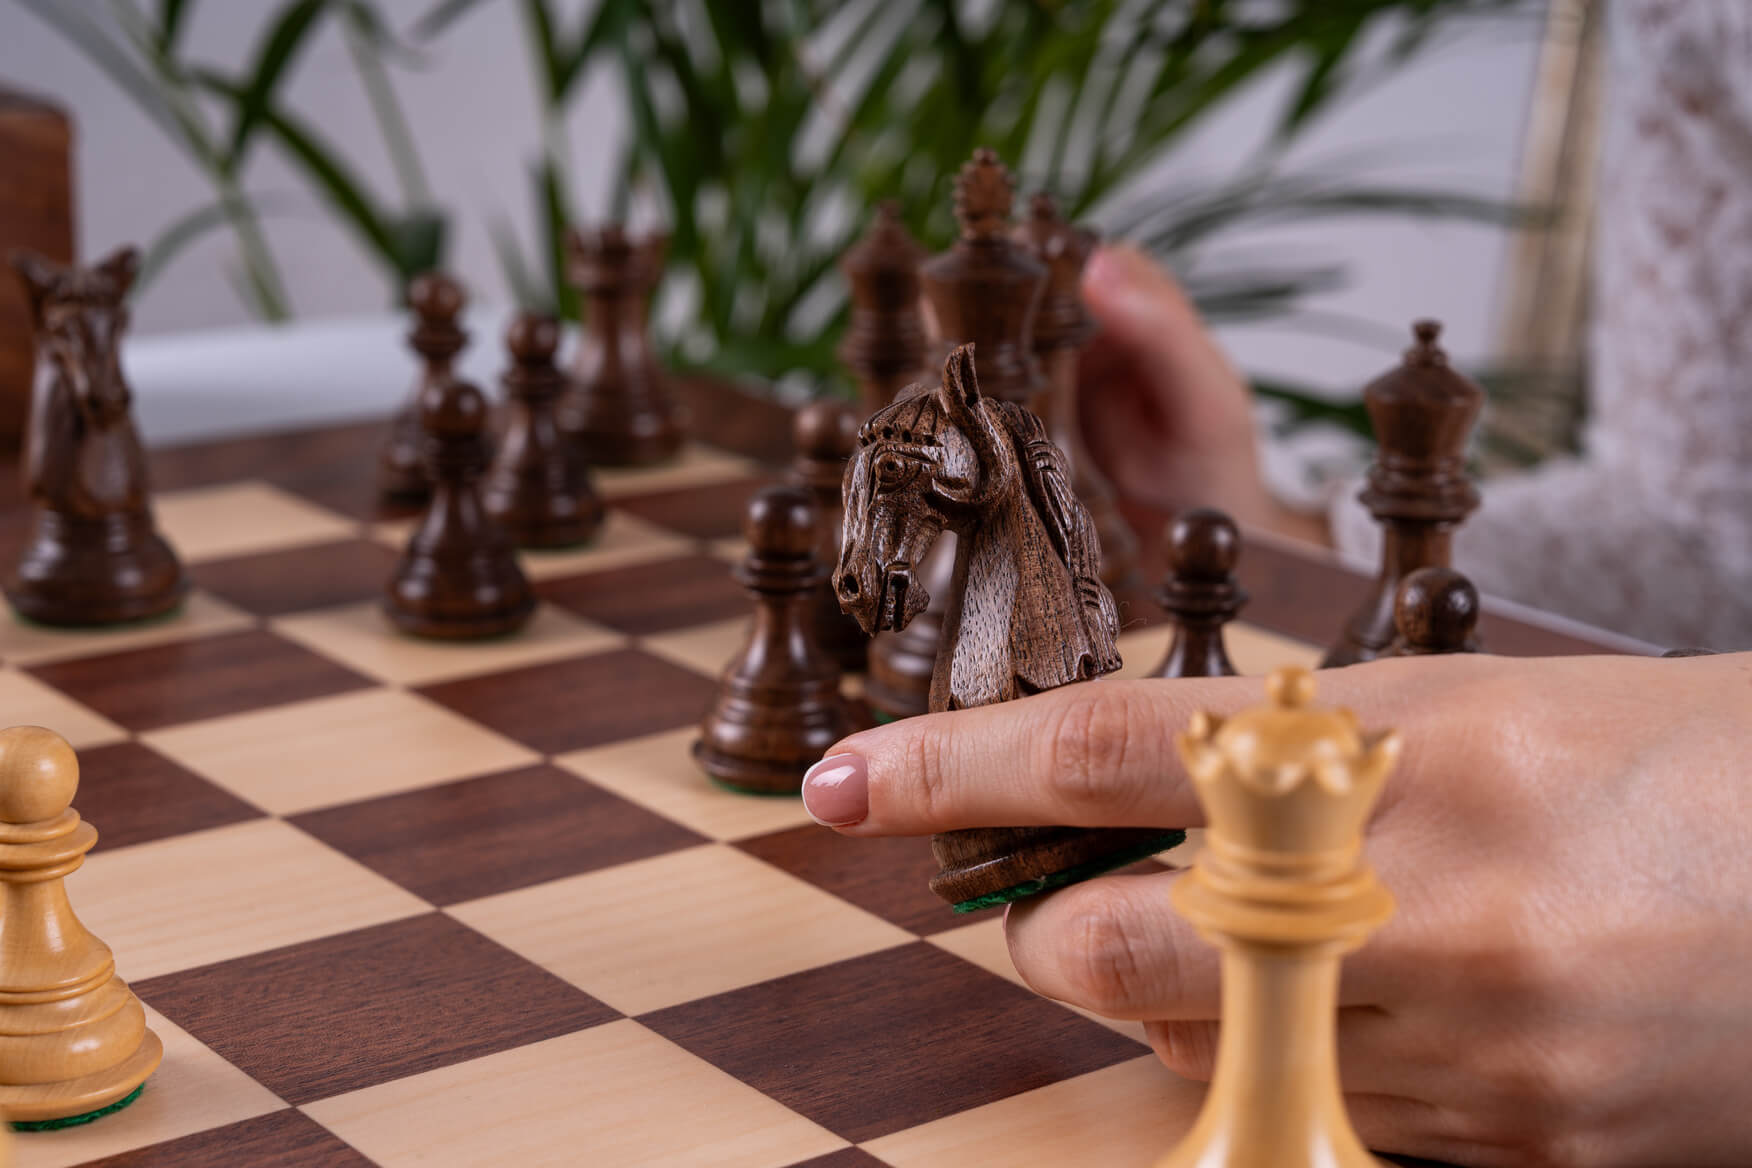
[
  {"x": 93, "y": 555},
  {"x": 1418, "y": 488},
  {"x": 1026, "y": 610}
]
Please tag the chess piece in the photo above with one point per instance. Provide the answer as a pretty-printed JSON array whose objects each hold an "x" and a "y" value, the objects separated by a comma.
[
  {"x": 538, "y": 486},
  {"x": 458, "y": 577},
  {"x": 986, "y": 288},
  {"x": 779, "y": 706},
  {"x": 1436, "y": 612},
  {"x": 1200, "y": 593},
  {"x": 620, "y": 409},
  {"x": 1282, "y": 889},
  {"x": 825, "y": 433},
  {"x": 1062, "y": 326},
  {"x": 1027, "y": 612},
  {"x": 93, "y": 555},
  {"x": 1418, "y": 489},
  {"x": 73, "y": 1036},
  {"x": 884, "y": 345},
  {"x": 437, "y": 300}
]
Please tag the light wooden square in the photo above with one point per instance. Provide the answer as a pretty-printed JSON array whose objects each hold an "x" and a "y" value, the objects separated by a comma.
[
  {"x": 659, "y": 772},
  {"x": 1254, "y": 651},
  {"x": 358, "y": 636},
  {"x": 22, "y": 643},
  {"x": 338, "y": 749},
  {"x": 1130, "y": 1113},
  {"x": 25, "y": 701},
  {"x": 732, "y": 548},
  {"x": 613, "y": 1094},
  {"x": 696, "y": 466},
  {"x": 191, "y": 1091},
  {"x": 213, "y": 895},
  {"x": 623, "y": 539},
  {"x": 211, "y": 523},
  {"x": 983, "y": 944},
  {"x": 676, "y": 927},
  {"x": 706, "y": 649}
]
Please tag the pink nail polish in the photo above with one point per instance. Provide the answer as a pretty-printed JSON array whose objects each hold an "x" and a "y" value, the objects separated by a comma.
[{"x": 836, "y": 790}]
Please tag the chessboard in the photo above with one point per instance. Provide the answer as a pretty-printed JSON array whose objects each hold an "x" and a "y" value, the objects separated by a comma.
[{"x": 399, "y": 902}]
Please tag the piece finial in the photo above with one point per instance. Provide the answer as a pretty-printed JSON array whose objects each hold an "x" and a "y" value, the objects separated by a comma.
[
  {"x": 39, "y": 774},
  {"x": 1202, "y": 543},
  {"x": 436, "y": 297},
  {"x": 780, "y": 523},
  {"x": 453, "y": 409},
  {"x": 984, "y": 193},
  {"x": 532, "y": 338},
  {"x": 1436, "y": 611},
  {"x": 825, "y": 431},
  {"x": 1290, "y": 688},
  {"x": 1426, "y": 351}
]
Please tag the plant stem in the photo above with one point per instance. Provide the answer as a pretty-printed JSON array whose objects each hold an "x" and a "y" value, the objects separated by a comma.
[
  {"x": 274, "y": 306},
  {"x": 390, "y": 121}
]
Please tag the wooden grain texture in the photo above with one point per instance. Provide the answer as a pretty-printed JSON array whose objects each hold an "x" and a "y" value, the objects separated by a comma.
[
  {"x": 137, "y": 795},
  {"x": 709, "y": 511},
  {"x": 184, "y": 681},
  {"x": 1436, "y": 611},
  {"x": 652, "y": 597},
  {"x": 885, "y": 345},
  {"x": 491, "y": 834},
  {"x": 323, "y": 575},
  {"x": 844, "y": 1158},
  {"x": 267, "y": 1141},
  {"x": 887, "y": 1014},
  {"x": 353, "y": 1010},
  {"x": 36, "y": 212},
  {"x": 585, "y": 701}
]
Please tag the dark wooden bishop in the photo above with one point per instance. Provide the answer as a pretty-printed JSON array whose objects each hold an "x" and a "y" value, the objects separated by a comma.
[
  {"x": 93, "y": 556},
  {"x": 538, "y": 486},
  {"x": 1436, "y": 611},
  {"x": 1199, "y": 592},
  {"x": 779, "y": 706},
  {"x": 884, "y": 345},
  {"x": 1418, "y": 489},
  {"x": 620, "y": 409},
  {"x": 824, "y": 434},
  {"x": 458, "y": 577},
  {"x": 1062, "y": 326},
  {"x": 437, "y": 300}
]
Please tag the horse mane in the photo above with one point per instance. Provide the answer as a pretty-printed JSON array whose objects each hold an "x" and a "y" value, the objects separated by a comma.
[{"x": 1047, "y": 478}]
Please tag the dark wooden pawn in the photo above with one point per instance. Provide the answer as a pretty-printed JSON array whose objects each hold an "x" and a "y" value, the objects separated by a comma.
[
  {"x": 620, "y": 409},
  {"x": 884, "y": 345},
  {"x": 779, "y": 706},
  {"x": 1418, "y": 488},
  {"x": 1062, "y": 326},
  {"x": 538, "y": 486},
  {"x": 93, "y": 556},
  {"x": 458, "y": 577},
  {"x": 1200, "y": 593},
  {"x": 1436, "y": 611},
  {"x": 437, "y": 300},
  {"x": 825, "y": 433}
]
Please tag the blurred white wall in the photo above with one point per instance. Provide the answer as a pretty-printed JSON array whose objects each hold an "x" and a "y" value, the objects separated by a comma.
[{"x": 1455, "y": 117}]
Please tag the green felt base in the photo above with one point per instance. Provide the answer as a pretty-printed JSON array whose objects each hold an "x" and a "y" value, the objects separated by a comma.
[
  {"x": 77, "y": 1120},
  {"x": 883, "y": 717},
  {"x": 1170, "y": 838}
]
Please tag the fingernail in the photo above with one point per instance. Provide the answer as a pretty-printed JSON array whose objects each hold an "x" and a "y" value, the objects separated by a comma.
[{"x": 836, "y": 790}]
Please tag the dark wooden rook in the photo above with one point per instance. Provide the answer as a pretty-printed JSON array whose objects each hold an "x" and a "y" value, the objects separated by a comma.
[
  {"x": 93, "y": 555},
  {"x": 1436, "y": 611},
  {"x": 458, "y": 578},
  {"x": 1418, "y": 489},
  {"x": 620, "y": 408},
  {"x": 1062, "y": 326},
  {"x": 884, "y": 345},
  {"x": 779, "y": 706},
  {"x": 538, "y": 486},
  {"x": 1199, "y": 592},
  {"x": 825, "y": 433},
  {"x": 1027, "y": 611},
  {"x": 437, "y": 300}
]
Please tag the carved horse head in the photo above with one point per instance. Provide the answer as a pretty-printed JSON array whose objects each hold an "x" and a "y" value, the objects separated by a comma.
[{"x": 80, "y": 315}]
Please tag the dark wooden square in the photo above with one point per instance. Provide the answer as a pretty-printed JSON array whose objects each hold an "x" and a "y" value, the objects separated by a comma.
[
  {"x": 844, "y": 1158},
  {"x": 273, "y": 583},
  {"x": 133, "y": 794},
  {"x": 202, "y": 677},
  {"x": 653, "y": 597},
  {"x": 885, "y": 1042},
  {"x": 267, "y": 1141},
  {"x": 581, "y": 701},
  {"x": 491, "y": 834},
  {"x": 889, "y": 877},
  {"x": 341, "y": 1013},
  {"x": 709, "y": 511}
]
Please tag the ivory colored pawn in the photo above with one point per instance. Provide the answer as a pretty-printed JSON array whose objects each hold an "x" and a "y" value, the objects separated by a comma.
[
  {"x": 1435, "y": 612},
  {"x": 73, "y": 1036}
]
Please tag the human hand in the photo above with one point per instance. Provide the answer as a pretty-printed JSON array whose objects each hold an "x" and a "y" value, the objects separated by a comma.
[
  {"x": 1162, "y": 410},
  {"x": 1566, "y": 980}
]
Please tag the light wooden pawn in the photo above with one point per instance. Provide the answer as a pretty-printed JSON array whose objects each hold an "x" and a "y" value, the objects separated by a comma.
[
  {"x": 73, "y": 1036},
  {"x": 1282, "y": 889}
]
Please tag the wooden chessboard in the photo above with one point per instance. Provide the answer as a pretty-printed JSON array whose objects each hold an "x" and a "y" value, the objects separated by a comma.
[{"x": 393, "y": 902}]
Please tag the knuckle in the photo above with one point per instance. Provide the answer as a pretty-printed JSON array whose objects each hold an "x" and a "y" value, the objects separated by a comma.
[
  {"x": 1106, "y": 972},
  {"x": 1087, "y": 742},
  {"x": 924, "y": 760}
]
